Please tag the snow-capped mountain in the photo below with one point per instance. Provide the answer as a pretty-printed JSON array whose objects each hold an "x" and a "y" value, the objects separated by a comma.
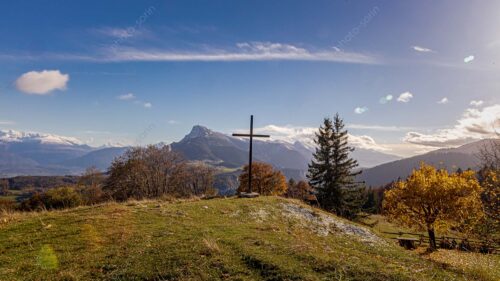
[
  {"x": 28, "y": 153},
  {"x": 32, "y": 137}
]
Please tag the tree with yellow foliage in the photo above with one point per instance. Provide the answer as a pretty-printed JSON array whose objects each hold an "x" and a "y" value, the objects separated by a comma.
[
  {"x": 433, "y": 200},
  {"x": 265, "y": 180}
]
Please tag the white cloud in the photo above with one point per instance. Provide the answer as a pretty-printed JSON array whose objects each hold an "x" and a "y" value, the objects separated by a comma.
[
  {"x": 422, "y": 49},
  {"x": 173, "y": 122},
  {"x": 379, "y": 128},
  {"x": 366, "y": 142},
  {"x": 121, "y": 33},
  {"x": 405, "y": 97},
  {"x": 468, "y": 59},
  {"x": 6, "y": 122},
  {"x": 360, "y": 110},
  {"x": 42, "y": 83},
  {"x": 476, "y": 102},
  {"x": 443, "y": 101},
  {"x": 475, "y": 124},
  {"x": 245, "y": 51},
  {"x": 289, "y": 133},
  {"x": 408, "y": 149},
  {"x": 306, "y": 136},
  {"x": 132, "y": 98},
  {"x": 128, "y": 96},
  {"x": 92, "y": 132},
  {"x": 386, "y": 99}
]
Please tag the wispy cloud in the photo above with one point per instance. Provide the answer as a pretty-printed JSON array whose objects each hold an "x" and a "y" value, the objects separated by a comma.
[
  {"x": 379, "y": 128},
  {"x": 476, "y": 102},
  {"x": 246, "y": 51},
  {"x": 494, "y": 44},
  {"x": 6, "y": 122},
  {"x": 405, "y": 97},
  {"x": 93, "y": 132},
  {"x": 360, "y": 110},
  {"x": 117, "y": 32},
  {"x": 422, "y": 49},
  {"x": 132, "y": 98},
  {"x": 443, "y": 101},
  {"x": 128, "y": 96},
  {"x": 474, "y": 124},
  {"x": 385, "y": 99}
]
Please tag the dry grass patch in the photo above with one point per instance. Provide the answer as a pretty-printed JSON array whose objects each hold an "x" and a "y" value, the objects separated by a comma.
[
  {"x": 210, "y": 246},
  {"x": 480, "y": 266}
]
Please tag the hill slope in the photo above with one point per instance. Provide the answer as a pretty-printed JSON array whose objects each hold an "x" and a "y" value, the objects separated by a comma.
[{"x": 266, "y": 238}]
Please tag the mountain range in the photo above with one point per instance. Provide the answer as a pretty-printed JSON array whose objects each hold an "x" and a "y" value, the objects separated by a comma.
[
  {"x": 48, "y": 155},
  {"x": 44, "y": 154},
  {"x": 451, "y": 159}
]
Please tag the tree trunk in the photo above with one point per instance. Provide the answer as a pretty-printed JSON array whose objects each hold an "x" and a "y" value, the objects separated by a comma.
[{"x": 432, "y": 238}]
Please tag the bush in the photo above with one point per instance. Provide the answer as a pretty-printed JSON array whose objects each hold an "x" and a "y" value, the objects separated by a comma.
[
  {"x": 265, "y": 180},
  {"x": 56, "y": 198},
  {"x": 92, "y": 195},
  {"x": 34, "y": 203},
  {"x": 62, "y": 198}
]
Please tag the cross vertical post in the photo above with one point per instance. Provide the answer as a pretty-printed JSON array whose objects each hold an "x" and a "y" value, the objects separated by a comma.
[
  {"x": 250, "y": 156},
  {"x": 250, "y": 151}
]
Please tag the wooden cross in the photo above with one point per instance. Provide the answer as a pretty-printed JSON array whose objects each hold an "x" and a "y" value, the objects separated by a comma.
[{"x": 251, "y": 135}]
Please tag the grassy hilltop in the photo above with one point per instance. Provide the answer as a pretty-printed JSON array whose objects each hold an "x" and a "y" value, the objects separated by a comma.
[{"x": 267, "y": 238}]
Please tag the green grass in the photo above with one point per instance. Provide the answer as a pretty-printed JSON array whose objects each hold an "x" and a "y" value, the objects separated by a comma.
[
  {"x": 220, "y": 239},
  {"x": 382, "y": 226}
]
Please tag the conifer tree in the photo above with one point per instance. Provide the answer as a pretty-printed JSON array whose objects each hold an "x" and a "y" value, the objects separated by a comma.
[{"x": 331, "y": 172}]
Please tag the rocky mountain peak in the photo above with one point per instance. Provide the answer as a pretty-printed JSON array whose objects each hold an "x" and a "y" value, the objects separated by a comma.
[{"x": 199, "y": 131}]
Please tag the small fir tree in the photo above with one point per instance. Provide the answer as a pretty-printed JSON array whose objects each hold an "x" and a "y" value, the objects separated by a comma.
[{"x": 331, "y": 171}]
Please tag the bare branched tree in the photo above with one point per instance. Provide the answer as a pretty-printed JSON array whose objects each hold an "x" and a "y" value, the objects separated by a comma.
[
  {"x": 156, "y": 171},
  {"x": 489, "y": 154}
]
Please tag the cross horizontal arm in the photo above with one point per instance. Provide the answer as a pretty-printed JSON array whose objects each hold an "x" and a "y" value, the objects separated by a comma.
[{"x": 254, "y": 135}]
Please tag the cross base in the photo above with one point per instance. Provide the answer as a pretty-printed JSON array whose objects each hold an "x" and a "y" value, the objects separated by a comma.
[{"x": 248, "y": 195}]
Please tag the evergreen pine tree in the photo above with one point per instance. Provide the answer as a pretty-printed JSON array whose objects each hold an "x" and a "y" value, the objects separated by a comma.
[
  {"x": 370, "y": 205},
  {"x": 331, "y": 170}
]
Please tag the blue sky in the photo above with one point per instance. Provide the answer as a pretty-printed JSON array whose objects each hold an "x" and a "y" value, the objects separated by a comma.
[{"x": 140, "y": 72}]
